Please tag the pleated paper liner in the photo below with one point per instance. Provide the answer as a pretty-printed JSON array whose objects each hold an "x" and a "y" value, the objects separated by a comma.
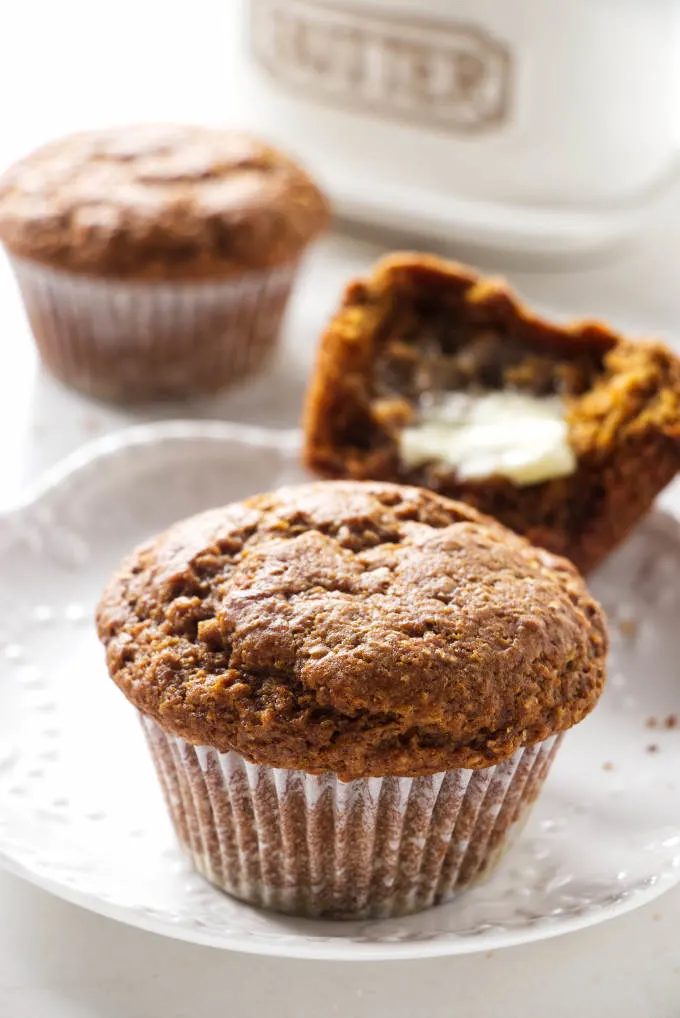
[
  {"x": 128, "y": 341},
  {"x": 312, "y": 845}
]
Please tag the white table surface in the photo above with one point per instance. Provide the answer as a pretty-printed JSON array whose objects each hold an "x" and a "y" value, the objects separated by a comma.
[{"x": 76, "y": 63}]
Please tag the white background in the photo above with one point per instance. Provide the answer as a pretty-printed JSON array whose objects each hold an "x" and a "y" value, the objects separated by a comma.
[{"x": 78, "y": 63}]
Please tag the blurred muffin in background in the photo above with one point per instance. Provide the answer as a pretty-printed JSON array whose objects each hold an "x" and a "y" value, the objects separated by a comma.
[{"x": 156, "y": 261}]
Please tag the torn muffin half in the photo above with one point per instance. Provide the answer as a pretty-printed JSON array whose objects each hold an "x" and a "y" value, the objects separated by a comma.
[{"x": 431, "y": 375}]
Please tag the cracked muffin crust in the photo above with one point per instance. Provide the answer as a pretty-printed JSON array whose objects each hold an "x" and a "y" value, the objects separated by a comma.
[
  {"x": 420, "y": 332},
  {"x": 180, "y": 202},
  {"x": 365, "y": 629}
]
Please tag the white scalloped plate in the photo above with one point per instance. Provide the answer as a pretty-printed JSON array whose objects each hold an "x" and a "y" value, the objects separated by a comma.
[{"x": 80, "y": 811}]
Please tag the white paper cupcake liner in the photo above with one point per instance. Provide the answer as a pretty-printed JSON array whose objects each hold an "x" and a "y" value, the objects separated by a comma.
[
  {"x": 133, "y": 341},
  {"x": 313, "y": 845}
]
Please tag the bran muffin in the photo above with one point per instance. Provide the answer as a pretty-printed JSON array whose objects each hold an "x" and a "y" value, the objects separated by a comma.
[
  {"x": 430, "y": 375},
  {"x": 352, "y": 692},
  {"x": 156, "y": 261}
]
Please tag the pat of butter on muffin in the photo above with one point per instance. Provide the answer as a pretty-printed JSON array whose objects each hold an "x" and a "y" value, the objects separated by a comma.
[{"x": 521, "y": 437}]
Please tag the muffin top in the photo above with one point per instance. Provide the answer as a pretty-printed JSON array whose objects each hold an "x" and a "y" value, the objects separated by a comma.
[
  {"x": 159, "y": 202},
  {"x": 362, "y": 628}
]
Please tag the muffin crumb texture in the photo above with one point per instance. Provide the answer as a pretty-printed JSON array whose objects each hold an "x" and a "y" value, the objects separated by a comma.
[
  {"x": 419, "y": 332},
  {"x": 364, "y": 629}
]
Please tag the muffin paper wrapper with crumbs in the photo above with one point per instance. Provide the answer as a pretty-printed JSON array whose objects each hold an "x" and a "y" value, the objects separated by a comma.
[
  {"x": 126, "y": 340},
  {"x": 313, "y": 845}
]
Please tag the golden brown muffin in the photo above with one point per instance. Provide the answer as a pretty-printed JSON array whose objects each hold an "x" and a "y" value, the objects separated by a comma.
[
  {"x": 419, "y": 329},
  {"x": 156, "y": 261},
  {"x": 159, "y": 202},
  {"x": 364, "y": 629}
]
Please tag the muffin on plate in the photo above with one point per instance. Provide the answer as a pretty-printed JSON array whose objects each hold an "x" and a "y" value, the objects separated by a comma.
[
  {"x": 432, "y": 376},
  {"x": 352, "y": 692},
  {"x": 156, "y": 261}
]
